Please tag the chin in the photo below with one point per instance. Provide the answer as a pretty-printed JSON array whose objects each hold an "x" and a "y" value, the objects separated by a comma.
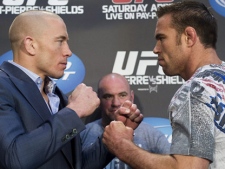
[
  {"x": 57, "y": 76},
  {"x": 167, "y": 73}
]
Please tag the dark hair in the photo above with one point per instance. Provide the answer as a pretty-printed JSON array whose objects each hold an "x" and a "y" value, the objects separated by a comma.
[{"x": 194, "y": 14}]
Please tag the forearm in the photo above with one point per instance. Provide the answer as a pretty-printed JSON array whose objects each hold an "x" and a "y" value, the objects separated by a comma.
[{"x": 138, "y": 158}]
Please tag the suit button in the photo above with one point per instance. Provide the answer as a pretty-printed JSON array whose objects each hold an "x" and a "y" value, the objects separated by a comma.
[
  {"x": 74, "y": 131},
  {"x": 67, "y": 136}
]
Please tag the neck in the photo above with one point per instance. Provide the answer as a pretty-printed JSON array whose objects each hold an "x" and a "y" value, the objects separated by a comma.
[{"x": 205, "y": 57}]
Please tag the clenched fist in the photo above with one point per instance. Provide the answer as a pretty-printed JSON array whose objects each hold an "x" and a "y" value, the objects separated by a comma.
[
  {"x": 129, "y": 114},
  {"x": 83, "y": 100}
]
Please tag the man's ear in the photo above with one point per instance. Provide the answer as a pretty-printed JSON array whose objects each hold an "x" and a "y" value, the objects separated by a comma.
[
  {"x": 29, "y": 45},
  {"x": 190, "y": 36}
]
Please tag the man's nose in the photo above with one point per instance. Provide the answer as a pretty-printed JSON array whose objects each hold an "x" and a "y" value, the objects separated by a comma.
[{"x": 116, "y": 101}]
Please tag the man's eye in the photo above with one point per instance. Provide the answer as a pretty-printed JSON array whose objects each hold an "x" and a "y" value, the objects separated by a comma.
[
  {"x": 107, "y": 97},
  {"x": 160, "y": 38},
  {"x": 123, "y": 95}
]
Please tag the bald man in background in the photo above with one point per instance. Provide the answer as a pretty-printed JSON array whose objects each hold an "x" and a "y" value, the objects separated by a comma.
[
  {"x": 39, "y": 126},
  {"x": 113, "y": 91}
]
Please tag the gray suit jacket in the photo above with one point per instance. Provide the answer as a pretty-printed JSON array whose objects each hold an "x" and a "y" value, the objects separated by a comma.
[{"x": 30, "y": 137}]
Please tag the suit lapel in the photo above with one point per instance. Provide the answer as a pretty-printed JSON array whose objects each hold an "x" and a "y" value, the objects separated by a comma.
[{"x": 27, "y": 88}]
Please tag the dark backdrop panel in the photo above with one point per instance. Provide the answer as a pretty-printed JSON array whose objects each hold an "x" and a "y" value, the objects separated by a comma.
[{"x": 98, "y": 39}]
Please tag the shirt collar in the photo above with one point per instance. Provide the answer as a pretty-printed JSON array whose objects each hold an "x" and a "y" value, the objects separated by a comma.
[{"x": 49, "y": 83}]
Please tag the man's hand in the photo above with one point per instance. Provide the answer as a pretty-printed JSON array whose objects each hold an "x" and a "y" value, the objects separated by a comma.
[
  {"x": 129, "y": 114},
  {"x": 116, "y": 133},
  {"x": 83, "y": 100}
]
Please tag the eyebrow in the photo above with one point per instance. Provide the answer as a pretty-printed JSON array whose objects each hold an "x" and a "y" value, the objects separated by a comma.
[
  {"x": 157, "y": 36},
  {"x": 62, "y": 37},
  {"x": 109, "y": 94}
]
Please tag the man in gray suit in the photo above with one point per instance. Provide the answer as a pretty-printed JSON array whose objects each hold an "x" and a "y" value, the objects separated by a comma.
[{"x": 39, "y": 126}]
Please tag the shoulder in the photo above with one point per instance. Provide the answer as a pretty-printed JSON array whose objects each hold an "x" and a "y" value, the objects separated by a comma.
[
  {"x": 145, "y": 125},
  {"x": 208, "y": 80},
  {"x": 9, "y": 69},
  {"x": 94, "y": 126},
  {"x": 147, "y": 129},
  {"x": 209, "y": 73},
  {"x": 92, "y": 131},
  {"x": 8, "y": 80}
]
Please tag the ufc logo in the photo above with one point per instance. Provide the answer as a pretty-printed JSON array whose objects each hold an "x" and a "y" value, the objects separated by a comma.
[
  {"x": 142, "y": 64},
  {"x": 33, "y": 2}
]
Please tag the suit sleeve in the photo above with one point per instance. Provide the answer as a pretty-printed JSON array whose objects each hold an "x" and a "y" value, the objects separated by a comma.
[{"x": 26, "y": 139}]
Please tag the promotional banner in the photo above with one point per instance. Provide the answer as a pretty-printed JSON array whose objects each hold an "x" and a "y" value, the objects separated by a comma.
[{"x": 111, "y": 36}]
